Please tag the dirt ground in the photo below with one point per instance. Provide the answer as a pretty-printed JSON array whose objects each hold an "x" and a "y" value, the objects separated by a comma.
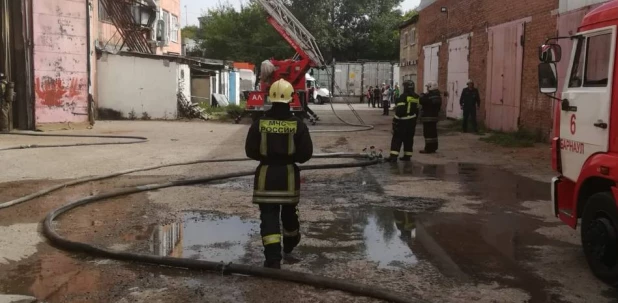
[{"x": 477, "y": 224}]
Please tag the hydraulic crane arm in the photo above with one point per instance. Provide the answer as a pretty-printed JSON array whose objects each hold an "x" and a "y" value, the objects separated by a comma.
[{"x": 292, "y": 31}]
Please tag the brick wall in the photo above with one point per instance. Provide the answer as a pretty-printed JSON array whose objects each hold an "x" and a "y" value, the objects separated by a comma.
[{"x": 475, "y": 16}]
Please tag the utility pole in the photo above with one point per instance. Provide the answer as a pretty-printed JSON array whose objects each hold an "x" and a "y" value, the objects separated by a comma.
[{"x": 186, "y": 16}]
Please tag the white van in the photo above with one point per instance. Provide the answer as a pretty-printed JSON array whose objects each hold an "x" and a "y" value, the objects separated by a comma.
[{"x": 320, "y": 94}]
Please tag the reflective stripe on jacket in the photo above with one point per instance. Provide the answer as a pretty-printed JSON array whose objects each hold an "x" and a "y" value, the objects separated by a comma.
[
  {"x": 278, "y": 141},
  {"x": 406, "y": 107}
]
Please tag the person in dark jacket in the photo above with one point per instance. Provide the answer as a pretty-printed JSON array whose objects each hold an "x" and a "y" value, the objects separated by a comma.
[
  {"x": 404, "y": 123},
  {"x": 430, "y": 109},
  {"x": 278, "y": 140},
  {"x": 470, "y": 101},
  {"x": 369, "y": 96},
  {"x": 377, "y": 97}
]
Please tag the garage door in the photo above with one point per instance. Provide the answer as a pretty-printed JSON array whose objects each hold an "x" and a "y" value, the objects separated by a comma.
[
  {"x": 458, "y": 50},
  {"x": 430, "y": 69},
  {"x": 504, "y": 69}
]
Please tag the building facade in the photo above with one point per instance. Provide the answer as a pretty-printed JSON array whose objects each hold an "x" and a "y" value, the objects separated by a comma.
[
  {"x": 494, "y": 43},
  {"x": 164, "y": 37},
  {"x": 408, "y": 51}
]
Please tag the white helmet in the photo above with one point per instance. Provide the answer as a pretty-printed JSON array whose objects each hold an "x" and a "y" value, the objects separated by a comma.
[{"x": 432, "y": 85}]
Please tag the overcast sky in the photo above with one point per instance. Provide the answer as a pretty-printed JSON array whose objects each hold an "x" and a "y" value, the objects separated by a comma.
[{"x": 195, "y": 8}]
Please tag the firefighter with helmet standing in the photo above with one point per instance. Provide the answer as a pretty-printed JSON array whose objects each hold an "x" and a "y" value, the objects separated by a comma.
[
  {"x": 404, "y": 123},
  {"x": 278, "y": 140},
  {"x": 430, "y": 109}
]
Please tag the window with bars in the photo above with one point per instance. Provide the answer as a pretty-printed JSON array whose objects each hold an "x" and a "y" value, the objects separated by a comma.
[{"x": 103, "y": 15}]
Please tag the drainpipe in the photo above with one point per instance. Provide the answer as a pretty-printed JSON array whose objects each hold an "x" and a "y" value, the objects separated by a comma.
[{"x": 91, "y": 109}]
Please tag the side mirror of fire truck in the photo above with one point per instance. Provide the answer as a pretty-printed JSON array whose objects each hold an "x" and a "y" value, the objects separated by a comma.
[
  {"x": 548, "y": 81},
  {"x": 550, "y": 53}
]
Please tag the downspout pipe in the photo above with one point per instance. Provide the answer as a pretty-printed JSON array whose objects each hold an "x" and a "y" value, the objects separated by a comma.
[{"x": 91, "y": 109}]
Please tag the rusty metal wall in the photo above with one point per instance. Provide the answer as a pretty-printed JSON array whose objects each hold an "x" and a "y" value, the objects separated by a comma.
[
  {"x": 15, "y": 62},
  {"x": 60, "y": 61}
]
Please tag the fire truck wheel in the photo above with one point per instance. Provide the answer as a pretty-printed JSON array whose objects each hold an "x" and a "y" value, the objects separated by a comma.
[
  {"x": 320, "y": 100},
  {"x": 599, "y": 236}
]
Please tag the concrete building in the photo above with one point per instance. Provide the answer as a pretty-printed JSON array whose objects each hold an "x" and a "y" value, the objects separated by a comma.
[
  {"x": 164, "y": 36},
  {"x": 494, "y": 43},
  {"x": 408, "y": 51}
]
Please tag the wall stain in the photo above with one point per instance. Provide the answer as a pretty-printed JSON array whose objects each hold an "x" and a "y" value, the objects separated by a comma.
[{"x": 54, "y": 93}]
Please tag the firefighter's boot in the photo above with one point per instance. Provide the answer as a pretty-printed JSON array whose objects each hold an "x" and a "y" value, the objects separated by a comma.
[
  {"x": 274, "y": 264},
  {"x": 289, "y": 243},
  {"x": 391, "y": 159},
  {"x": 406, "y": 158}
]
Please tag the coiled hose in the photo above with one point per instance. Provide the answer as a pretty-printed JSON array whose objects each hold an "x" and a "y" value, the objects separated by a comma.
[{"x": 285, "y": 275}]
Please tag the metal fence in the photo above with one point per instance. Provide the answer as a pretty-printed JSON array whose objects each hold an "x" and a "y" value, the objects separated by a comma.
[{"x": 355, "y": 78}]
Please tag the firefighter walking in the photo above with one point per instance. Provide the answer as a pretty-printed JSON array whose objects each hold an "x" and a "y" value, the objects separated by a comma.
[
  {"x": 430, "y": 109},
  {"x": 404, "y": 123},
  {"x": 278, "y": 140}
]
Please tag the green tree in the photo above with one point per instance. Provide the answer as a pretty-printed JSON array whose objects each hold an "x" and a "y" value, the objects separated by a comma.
[
  {"x": 344, "y": 29},
  {"x": 190, "y": 31}
]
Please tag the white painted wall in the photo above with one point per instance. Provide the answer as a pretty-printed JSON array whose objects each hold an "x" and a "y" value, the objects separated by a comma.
[
  {"x": 184, "y": 76},
  {"x": 128, "y": 83},
  {"x": 569, "y": 5}
]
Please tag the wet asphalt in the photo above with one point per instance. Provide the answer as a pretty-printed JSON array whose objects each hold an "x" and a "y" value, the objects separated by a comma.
[{"x": 495, "y": 240}]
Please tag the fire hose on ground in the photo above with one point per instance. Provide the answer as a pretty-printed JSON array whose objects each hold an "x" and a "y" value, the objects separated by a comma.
[{"x": 284, "y": 275}]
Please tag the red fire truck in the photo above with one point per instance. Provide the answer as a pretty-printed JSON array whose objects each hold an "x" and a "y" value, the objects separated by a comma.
[
  {"x": 307, "y": 56},
  {"x": 585, "y": 143}
]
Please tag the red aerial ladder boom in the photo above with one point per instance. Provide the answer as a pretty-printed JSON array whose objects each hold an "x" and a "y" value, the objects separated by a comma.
[{"x": 308, "y": 55}]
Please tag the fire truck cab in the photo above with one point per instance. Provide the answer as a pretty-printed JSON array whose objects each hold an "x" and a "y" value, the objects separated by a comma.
[{"x": 585, "y": 143}]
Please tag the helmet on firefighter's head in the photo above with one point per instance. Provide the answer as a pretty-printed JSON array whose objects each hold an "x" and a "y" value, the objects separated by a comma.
[
  {"x": 2, "y": 76},
  {"x": 281, "y": 92},
  {"x": 432, "y": 86}
]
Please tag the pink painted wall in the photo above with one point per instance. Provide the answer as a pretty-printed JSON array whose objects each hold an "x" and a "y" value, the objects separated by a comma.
[
  {"x": 173, "y": 7},
  {"x": 60, "y": 61}
]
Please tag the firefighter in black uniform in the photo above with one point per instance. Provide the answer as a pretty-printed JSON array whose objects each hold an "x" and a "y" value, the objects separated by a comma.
[
  {"x": 430, "y": 109},
  {"x": 404, "y": 123},
  {"x": 278, "y": 140}
]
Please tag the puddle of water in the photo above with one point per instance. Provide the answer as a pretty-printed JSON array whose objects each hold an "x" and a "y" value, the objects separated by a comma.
[
  {"x": 486, "y": 182},
  {"x": 379, "y": 235},
  {"x": 386, "y": 248},
  {"x": 205, "y": 236}
]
